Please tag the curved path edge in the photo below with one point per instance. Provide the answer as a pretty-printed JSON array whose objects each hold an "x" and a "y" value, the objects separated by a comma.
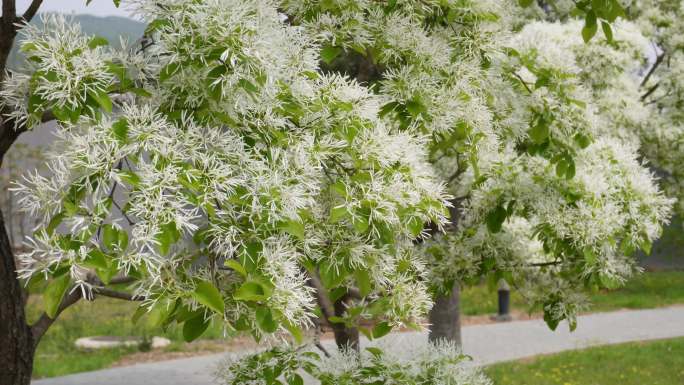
[{"x": 487, "y": 344}]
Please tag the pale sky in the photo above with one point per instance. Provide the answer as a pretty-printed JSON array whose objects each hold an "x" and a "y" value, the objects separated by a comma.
[{"x": 96, "y": 7}]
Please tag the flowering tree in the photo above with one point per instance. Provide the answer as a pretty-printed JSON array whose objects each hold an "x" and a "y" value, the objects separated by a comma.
[
  {"x": 218, "y": 170},
  {"x": 513, "y": 135}
]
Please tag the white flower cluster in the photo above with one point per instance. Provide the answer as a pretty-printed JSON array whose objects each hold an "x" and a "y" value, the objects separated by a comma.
[
  {"x": 439, "y": 364},
  {"x": 635, "y": 80}
]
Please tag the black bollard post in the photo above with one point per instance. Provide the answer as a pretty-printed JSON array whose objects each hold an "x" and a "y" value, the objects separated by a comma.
[{"x": 504, "y": 293}]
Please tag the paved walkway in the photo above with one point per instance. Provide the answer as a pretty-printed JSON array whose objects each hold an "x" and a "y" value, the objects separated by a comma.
[{"x": 485, "y": 343}]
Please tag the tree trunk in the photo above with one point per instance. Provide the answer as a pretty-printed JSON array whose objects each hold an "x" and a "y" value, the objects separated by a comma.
[
  {"x": 445, "y": 317},
  {"x": 345, "y": 338},
  {"x": 17, "y": 345},
  {"x": 16, "y": 340}
]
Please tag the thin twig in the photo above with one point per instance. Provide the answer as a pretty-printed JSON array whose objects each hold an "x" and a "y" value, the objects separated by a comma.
[
  {"x": 524, "y": 83},
  {"x": 554, "y": 263},
  {"x": 103, "y": 291},
  {"x": 659, "y": 59},
  {"x": 321, "y": 348},
  {"x": 650, "y": 91}
]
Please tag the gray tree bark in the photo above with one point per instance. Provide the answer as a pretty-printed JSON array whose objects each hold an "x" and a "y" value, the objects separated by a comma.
[
  {"x": 445, "y": 318},
  {"x": 16, "y": 339},
  {"x": 345, "y": 338}
]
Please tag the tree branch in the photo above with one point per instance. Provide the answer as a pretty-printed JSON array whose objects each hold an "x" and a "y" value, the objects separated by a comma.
[
  {"x": 39, "y": 328},
  {"x": 650, "y": 91},
  {"x": 554, "y": 263},
  {"x": 354, "y": 293},
  {"x": 10, "y": 131},
  {"x": 324, "y": 301},
  {"x": 122, "y": 280},
  {"x": 321, "y": 348},
  {"x": 659, "y": 59},
  {"x": 524, "y": 83},
  {"x": 43, "y": 323},
  {"x": 31, "y": 11},
  {"x": 103, "y": 291}
]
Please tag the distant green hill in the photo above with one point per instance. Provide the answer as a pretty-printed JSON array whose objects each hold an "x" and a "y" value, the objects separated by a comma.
[{"x": 111, "y": 28}]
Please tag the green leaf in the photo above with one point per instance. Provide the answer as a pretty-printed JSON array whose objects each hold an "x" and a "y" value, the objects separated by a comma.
[
  {"x": 97, "y": 41},
  {"x": 550, "y": 321},
  {"x": 102, "y": 98},
  {"x": 590, "y": 27},
  {"x": 561, "y": 168},
  {"x": 646, "y": 246},
  {"x": 377, "y": 352},
  {"x": 167, "y": 236},
  {"x": 183, "y": 313},
  {"x": 235, "y": 265},
  {"x": 363, "y": 281},
  {"x": 366, "y": 332},
  {"x": 295, "y": 379},
  {"x": 251, "y": 255},
  {"x": 415, "y": 108},
  {"x": 141, "y": 92},
  {"x": 295, "y": 331},
  {"x": 139, "y": 313},
  {"x": 208, "y": 295},
  {"x": 329, "y": 53},
  {"x": 35, "y": 103},
  {"x": 194, "y": 328},
  {"x": 248, "y": 86},
  {"x": 338, "y": 213},
  {"x": 130, "y": 177},
  {"x": 415, "y": 225},
  {"x": 496, "y": 218},
  {"x": 168, "y": 71},
  {"x": 361, "y": 225},
  {"x": 27, "y": 47},
  {"x": 53, "y": 294},
  {"x": 337, "y": 293},
  {"x": 381, "y": 329},
  {"x": 589, "y": 256},
  {"x": 525, "y": 3},
  {"x": 107, "y": 274},
  {"x": 54, "y": 223},
  {"x": 609, "y": 282},
  {"x": 120, "y": 130},
  {"x": 570, "y": 172},
  {"x": 387, "y": 108},
  {"x": 159, "y": 314},
  {"x": 607, "y": 31},
  {"x": 540, "y": 131},
  {"x": 110, "y": 236},
  {"x": 582, "y": 140},
  {"x": 250, "y": 291},
  {"x": 294, "y": 228},
  {"x": 265, "y": 321},
  {"x": 96, "y": 260}
]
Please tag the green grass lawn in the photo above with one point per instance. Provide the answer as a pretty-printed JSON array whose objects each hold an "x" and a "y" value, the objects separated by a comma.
[
  {"x": 645, "y": 291},
  {"x": 653, "y": 363},
  {"x": 58, "y": 356}
]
